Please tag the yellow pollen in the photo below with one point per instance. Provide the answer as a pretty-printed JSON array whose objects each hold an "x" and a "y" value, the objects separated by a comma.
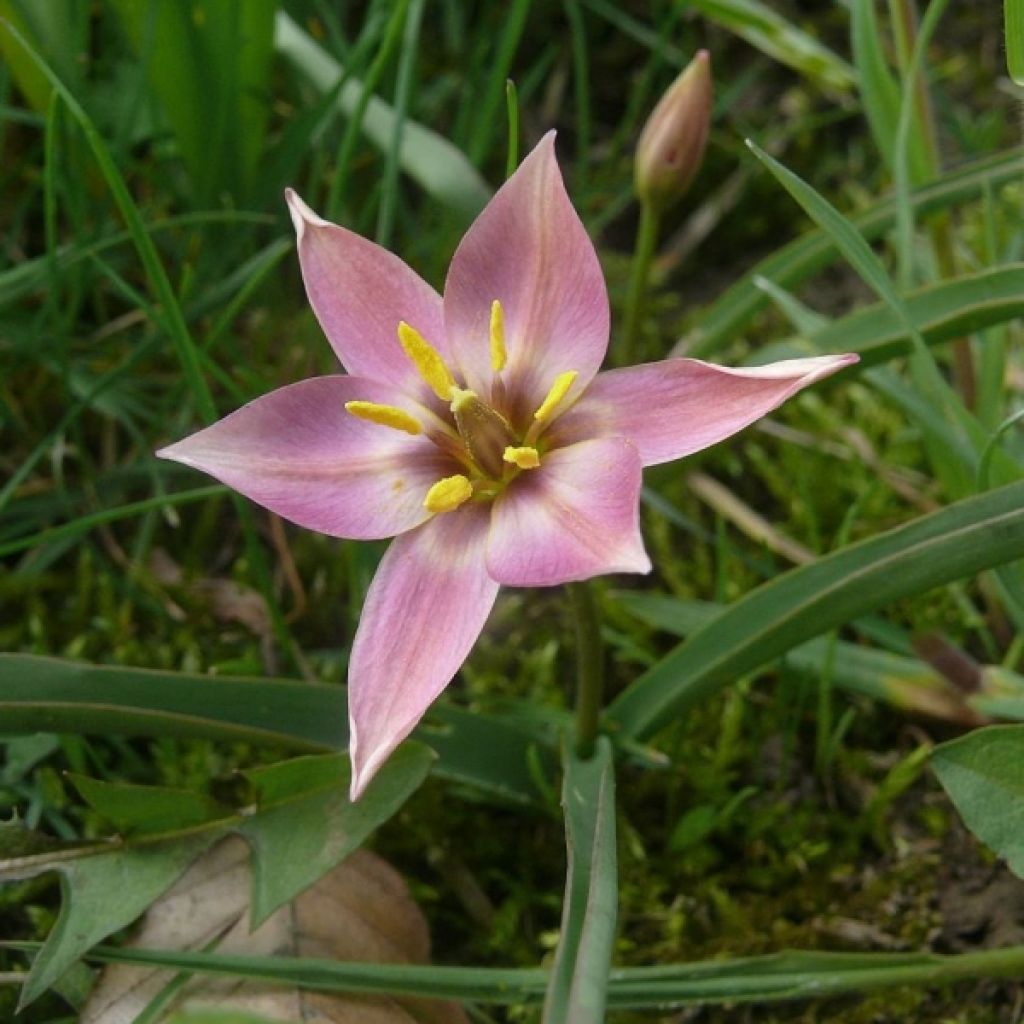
[
  {"x": 525, "y": 457},
  {"x": 498, "y": 354},
  {"x": 461, "y": 398},
  {"x": 385, "y": 415},
  {"x": 427, "y": 360},
  {"x": 448, "y": 493},
  {"x": 558, "y": 391}
]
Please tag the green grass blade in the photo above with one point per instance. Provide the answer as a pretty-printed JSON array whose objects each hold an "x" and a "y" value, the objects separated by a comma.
[
  {"x": 862, "y": 258},
  {"x": 971, "y": 535},
  {"x": 403, "y": 87},
  {"x": 209, "y": 64},
  {"x": 769, "y": 32},
  {"x": 1014, "y": 11},
  {"x": 939, "y": 312},
  {"x": 52, "y": 695},
  {"x": 907, "y": 683},
  {"x": 880, "y": 92},
  {"x": 577, "y": 990},
  {"x": 793, "y": 974},
  {"x": 440, "y": 168},
  {"x": 733, "y": 310},
  {"x": 172, "y": 318}
]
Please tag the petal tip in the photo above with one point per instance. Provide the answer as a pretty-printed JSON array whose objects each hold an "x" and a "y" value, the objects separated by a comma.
[{"x": 302, "y": 214}]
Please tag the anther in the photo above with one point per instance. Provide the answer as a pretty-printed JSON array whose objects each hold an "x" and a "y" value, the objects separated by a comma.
[
  {"x": 498, "y": 354},
  {"x": 448, "y": 493},
  {"x": 554, "y": 397},
  {"x": 525, "y": 457},
  {"x": 427, "y": 360},
  {"x": 385, "y": 415}
]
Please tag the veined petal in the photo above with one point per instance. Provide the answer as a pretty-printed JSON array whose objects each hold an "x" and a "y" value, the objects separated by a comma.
[
  {"x": 298, "y": 452},
  {"x": 575, "y": 516},
  {"x": 529, "y": 250},
  {"x": 679, "y": 406},
  {"x": 422, "y": 615},
  {"x": 359, "y": 293}
]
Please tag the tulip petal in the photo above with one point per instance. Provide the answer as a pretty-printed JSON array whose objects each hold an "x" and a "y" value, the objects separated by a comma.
[
  {"x": 297, "y": 452},
  {"x": 679, "y": 406},
  {"x": 359, "y": 292},
  {"x": 574, "y": 517},
  {"x": 422, "y": 615},
  {"x": 529, "y": 250}
]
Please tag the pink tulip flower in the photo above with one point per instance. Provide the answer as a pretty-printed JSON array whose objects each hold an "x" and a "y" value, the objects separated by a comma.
[{"x": 474, "y": 428}]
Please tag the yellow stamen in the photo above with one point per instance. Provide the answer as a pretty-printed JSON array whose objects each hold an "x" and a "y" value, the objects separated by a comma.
[
  {"x": 385, "y": 415},
  {"x": 525, "y": 457},
  {"x": 498, "y": 354},
  {"x": 427, "y": 360},
  {"x": 448, "y": 493},
  {"x": 558, "y": 391}
]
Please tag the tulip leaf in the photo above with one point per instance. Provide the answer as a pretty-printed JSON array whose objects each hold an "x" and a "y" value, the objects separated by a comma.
[
  {"x": 973, "y": 534},
  {"x": 770, "y": 33},
  {"x": 442, "y": 169},
  {"x": 301, "y": 826},
  {"x": 983, "y": 773},
  {"x": 940, "y": 312},
  {"x": 577, "y": 990},
  {"x": 904, "y": 682},
  {"x": 39, "y": 694},
  {"x": 789, "y": 975},
  {"x": 793, "y": 263}
]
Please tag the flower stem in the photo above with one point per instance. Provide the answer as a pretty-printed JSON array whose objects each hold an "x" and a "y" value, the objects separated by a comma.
[
  {"x": 646, "y": 240},
  {"x": 589, "y": 666}
]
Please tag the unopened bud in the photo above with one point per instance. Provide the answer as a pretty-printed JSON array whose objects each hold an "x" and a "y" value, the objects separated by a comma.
[{"x": 671, "y": 146}]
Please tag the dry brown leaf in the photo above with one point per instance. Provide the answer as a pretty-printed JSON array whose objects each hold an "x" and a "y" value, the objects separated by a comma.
[{"x": 360, "y": 911}]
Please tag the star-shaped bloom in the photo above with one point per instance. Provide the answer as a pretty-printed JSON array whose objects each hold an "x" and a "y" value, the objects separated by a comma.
[{"x": 474, "y": 428}]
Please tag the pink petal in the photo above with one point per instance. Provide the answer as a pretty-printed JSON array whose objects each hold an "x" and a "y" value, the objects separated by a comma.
[
  {"x": 359, "y": 293},
  {"x": 573, "y": 518},
  {"x": 298, "y": 452},
  {"x": 679, "y": 406},
  {"x": 422, "y": 615},
  {"x": 529, "y": 250}
]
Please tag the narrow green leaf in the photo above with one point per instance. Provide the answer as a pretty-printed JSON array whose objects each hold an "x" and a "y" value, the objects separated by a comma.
[
  {"x": 733, "y": 310},
  {"x": 880, "y": 91},
  {"x": 964, "y": 432},
  {"x": 429, "y": 159},
  {"x": 173, "y": 320},
  {"x": 1014, "y": 11},
  {"x": 983, "y": 773},
  {"x": 793, "y": 974},
  {"x": 966, "y": 537},
  {"x": 906, "y": 683},
  {"x": 577, "y": 990},
  {"x": 209, "y": 65},
  {"x": 940, "y": 312},
  {"x": 767, "y": 30},
  {"x": 297, "y": 840},
  {"x": 39, "y": 694}
]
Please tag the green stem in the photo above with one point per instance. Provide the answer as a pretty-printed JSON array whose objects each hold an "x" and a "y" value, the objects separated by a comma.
[
  {"x": 646, "y": 241},
  {"x": 589, "y": 666}
]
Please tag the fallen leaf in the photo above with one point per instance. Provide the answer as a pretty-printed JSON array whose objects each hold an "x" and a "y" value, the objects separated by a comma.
[{"x": 360, "y": 911}]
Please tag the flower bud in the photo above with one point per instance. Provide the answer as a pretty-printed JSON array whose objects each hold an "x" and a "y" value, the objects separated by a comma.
[{"x": 671, "y": 145}]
